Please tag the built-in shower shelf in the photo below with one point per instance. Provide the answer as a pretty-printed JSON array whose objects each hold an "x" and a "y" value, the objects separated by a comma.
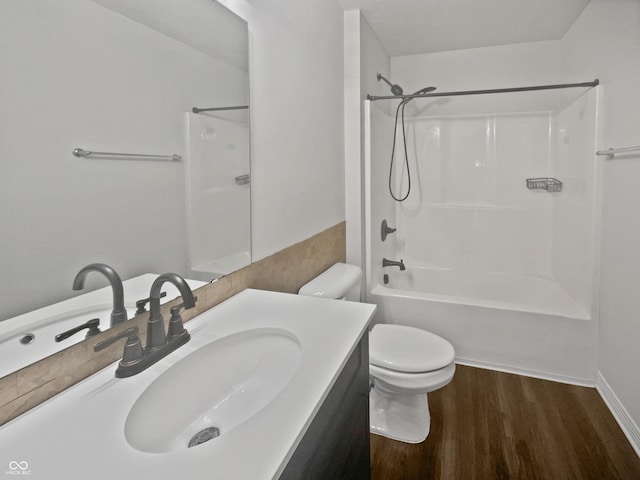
[{"x": 552, "y": 185}]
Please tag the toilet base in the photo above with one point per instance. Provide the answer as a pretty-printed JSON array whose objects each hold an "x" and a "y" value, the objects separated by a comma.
[{"x": 404, "y": 418}]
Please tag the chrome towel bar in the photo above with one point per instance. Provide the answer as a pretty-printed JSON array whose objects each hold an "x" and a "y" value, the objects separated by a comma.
[
  {"x": 79, "y": 152},
  {"x": 613, "y": 151},
  {"x": 216, "y": 109}
]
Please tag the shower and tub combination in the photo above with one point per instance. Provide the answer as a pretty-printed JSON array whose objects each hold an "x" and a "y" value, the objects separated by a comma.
[{"x": 491, "y": 201}]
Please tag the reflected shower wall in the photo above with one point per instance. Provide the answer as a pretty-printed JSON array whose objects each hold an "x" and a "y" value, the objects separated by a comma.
[{"x": 218, "y": 193}]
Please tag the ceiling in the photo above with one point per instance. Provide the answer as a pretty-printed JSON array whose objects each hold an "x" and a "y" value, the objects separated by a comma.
[
  {"x": 407, "y": 27},
  {"x": 207, "y": 26}
]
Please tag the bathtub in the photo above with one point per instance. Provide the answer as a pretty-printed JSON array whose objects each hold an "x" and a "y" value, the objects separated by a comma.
[{"x": 503, "y": 321}]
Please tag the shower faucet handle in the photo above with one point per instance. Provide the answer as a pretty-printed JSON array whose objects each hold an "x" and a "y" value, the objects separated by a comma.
[{"x": 385, "y": 230}]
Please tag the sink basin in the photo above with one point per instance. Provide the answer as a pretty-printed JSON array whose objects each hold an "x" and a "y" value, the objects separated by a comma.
[{"x": 213, "y": 389}]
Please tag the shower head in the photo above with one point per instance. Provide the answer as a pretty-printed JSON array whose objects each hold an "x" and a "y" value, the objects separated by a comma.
[
  {"x": 419, "y": 92},
  {"x": 395, "y": 89},
  {"x": 425, "y": 90}
]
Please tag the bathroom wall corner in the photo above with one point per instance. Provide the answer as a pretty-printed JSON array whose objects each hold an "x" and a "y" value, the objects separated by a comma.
[{"x": 622, "y": 416}]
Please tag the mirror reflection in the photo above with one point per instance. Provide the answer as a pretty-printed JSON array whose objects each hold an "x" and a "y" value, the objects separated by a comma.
[{"x": 120, "y": 79}]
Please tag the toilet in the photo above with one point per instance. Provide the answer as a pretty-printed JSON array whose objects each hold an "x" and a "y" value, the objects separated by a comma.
[{"x": 405, "y": 363}]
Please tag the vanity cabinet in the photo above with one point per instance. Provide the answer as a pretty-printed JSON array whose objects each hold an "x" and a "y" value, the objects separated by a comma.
[{"x": 336, "y": 444}]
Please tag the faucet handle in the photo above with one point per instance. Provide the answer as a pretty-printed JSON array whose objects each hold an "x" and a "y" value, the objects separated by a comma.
[
  {"x": 176, "y": 327},
  {"x": 132, "y": 347},
  {"x": 385, "y": 230},
  {"x": 91, "y": 325},
  {"x": 141, "y": 305}
]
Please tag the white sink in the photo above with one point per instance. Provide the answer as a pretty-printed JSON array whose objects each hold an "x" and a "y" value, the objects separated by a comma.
[
  {"x": 214, "y": 389},
  {"x": 258, "y": 367}
]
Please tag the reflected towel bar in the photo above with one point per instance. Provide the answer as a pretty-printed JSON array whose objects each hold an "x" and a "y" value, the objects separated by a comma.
[
  {"x": 239, "y": 107},
  {"x": 613, "y": 151},
  {"x": 79, "y": 152}
]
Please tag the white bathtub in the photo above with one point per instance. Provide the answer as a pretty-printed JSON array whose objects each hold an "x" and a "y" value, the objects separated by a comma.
[{"x": 508, "y": 322}]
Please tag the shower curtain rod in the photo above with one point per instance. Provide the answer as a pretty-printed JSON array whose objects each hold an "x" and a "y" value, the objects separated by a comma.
[
  {"x": 595, "y": 83},
  {"x": 238, "y": 107}
]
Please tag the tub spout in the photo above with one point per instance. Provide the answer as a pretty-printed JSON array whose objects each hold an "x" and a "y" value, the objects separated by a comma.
[{"x": 392, "y": 263}]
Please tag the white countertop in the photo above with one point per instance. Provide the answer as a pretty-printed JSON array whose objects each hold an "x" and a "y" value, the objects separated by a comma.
[{"x": 79, "y": 434}]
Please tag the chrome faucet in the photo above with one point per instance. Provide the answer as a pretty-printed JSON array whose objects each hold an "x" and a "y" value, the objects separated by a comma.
[
  {"x": 135, "y": 359},
  {"x": 119, "y": 313},
  {"x": 392, "y": 263}
]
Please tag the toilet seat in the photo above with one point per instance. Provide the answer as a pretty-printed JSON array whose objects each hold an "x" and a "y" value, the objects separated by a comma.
[{"x": 408, "y": 350}]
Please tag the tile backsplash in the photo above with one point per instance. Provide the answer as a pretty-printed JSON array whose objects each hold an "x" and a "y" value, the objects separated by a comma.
[{"x": 284, "y": 271}]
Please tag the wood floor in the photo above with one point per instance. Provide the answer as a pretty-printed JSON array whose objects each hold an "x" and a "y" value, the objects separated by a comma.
[{"x": 489, "y": 425}]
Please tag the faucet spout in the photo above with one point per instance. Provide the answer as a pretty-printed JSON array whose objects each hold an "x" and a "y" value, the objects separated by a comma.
[
  {"x": 135, "y": 358},
  {"x": 156, "y": 336},
  {"x": 392, "y": 263},
  {"x": 119, "y": 313}
]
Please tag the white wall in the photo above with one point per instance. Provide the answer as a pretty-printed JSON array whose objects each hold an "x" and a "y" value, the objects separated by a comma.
[
  {"x": 604, "y": 43},
  {"x": 297, "y": 119},
  {"x": 75, "y": 74},
  {"x": 517, "y": 65},
  {"x": 353, "y": 169},
  {"x": 365, "y": 57}
]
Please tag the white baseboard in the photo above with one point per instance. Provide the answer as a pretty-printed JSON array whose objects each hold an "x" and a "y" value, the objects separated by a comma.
[
  {"x": 583, "y": 382},
  {"x": 628, "y": 426}
]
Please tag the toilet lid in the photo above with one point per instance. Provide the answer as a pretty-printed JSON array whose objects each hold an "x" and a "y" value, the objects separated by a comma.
[{"x": 408, "y": 349}]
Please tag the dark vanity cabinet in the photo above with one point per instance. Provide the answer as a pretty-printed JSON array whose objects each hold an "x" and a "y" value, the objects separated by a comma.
[{"x": 336, "y": 445}]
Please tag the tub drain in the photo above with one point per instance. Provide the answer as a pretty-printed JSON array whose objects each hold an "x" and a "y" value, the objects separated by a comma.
[{"x": 204, "y": 436}]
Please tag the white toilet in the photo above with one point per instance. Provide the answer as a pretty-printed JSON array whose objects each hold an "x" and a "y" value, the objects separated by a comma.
[{"x": 404, "y": 362}]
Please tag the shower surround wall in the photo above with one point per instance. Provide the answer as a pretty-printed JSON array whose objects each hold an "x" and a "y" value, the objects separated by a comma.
[
  {"x": 473, "y": 235},
  {"x": 469, "y": 208},
  {"x": 218, "y": 204}
]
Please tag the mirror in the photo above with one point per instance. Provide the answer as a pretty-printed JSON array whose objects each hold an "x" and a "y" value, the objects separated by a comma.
[{"x": 120, "y": 77}]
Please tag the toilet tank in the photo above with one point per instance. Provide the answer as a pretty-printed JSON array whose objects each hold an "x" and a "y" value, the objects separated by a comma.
[{"x": 340, "y": 281}]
